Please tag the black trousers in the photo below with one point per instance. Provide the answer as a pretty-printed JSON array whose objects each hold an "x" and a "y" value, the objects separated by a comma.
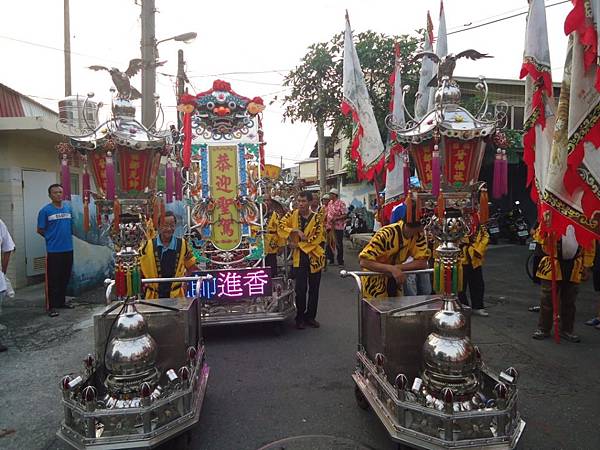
[
  {"x": 339, "y": 245},
  {"x": 306, "y": 281},
  {"x": 473, "y": 278},
  {"x": 271, "y": 261},
  {"x": 567, "y": 294},
  {"x": 58, "y": 272}
]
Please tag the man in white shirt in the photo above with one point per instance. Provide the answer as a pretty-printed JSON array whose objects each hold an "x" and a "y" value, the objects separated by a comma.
[{"x": 7, "y": 246}]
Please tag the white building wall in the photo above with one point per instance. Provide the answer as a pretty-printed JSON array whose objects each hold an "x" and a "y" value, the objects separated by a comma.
[{"x": 18, "y": 151}]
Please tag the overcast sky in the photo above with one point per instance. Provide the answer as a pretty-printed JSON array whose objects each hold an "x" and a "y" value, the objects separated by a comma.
[{"x": 251, "y": 44}]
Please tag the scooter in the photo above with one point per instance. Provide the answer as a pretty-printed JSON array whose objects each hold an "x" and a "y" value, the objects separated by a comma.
[
  {"x": 355, "y": 224},
  {"x": 493, "y": 226},
  {"x": 516, "y": 225}
]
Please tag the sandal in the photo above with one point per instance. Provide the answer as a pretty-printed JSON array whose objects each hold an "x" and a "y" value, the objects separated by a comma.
[{"x": 593, "y": 322}]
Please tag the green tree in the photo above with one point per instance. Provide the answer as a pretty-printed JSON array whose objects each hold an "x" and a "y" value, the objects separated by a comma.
[{"x": 316, "y": 83}]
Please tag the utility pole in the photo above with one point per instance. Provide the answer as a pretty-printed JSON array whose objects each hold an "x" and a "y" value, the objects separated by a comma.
[
  {"x": 148, "y": 45},
  {"x": 181, "y": 79},
  {"x": 322, "y": 161},
  {"x": 67, "y": 47}
]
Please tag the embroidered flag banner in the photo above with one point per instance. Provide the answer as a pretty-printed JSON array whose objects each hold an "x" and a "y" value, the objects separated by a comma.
[
  {"x": 539, "y": 104},
  {"x": 573, "y": 188},
  {"x": 367, "y": 147}
]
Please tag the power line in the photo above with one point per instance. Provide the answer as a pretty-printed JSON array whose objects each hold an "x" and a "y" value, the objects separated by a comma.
[
  {"x": 503, "y": 18},
  {"x": 206, "y": 75},
  {"x": 49, "y": 47}
]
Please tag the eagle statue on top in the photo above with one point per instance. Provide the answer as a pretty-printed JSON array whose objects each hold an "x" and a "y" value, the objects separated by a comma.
[
  {"x": 121, "y": 80},
  {"x": 446, "y": 64}
]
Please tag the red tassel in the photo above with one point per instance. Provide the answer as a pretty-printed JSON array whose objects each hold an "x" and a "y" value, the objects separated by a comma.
[
  {"x": 496, "y": 186},
  {"x": 504, "y": 178},
  {"x": 170, "y": 181},
  {"x": 110, "y": 177},
  {"x": 406, "y": 171},
  {"x": 86, "y": 216},
  {"x": 116, "y": 215},
  {"x": 156, "y": 213},
  {"x": 484, "y": 207},
  {"x": 85, "y": 182},
  {"x": 187, "y": 140},
  {"x": 435, "y": 171},
  {"x": 409, "y": 208},
  {"x": 98, "y": 216},
  {"x": 555, "y": 305},
  {"x": 65, "y": 177},
  {"x": 178, "y": 186}
]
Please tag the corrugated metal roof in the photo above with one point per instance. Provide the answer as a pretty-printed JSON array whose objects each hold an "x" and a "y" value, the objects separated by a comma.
[
  {"x": 10, "y": 103},
  {"x": 15, "y": 104}
]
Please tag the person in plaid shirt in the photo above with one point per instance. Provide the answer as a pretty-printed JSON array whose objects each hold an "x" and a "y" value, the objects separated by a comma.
[{"x": 336, "y": 221}]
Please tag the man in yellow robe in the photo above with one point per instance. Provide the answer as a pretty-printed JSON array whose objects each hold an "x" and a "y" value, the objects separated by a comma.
[
  {"x": 166, "y": 256},
  {"x": 305, "y": 231}
]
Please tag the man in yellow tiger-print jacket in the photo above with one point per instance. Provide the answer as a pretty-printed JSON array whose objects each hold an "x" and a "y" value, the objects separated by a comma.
[
  {"x": 573, "y": 265},
  {"x": 387, "y": 252},
  {"x": 304, "y": 229},
  {"x": 474, "y": 247},
  {"x": 273, "y": 243}
]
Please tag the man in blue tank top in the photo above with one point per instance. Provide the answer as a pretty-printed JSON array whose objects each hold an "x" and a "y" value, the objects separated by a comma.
[{"x": 55, "y": 225}]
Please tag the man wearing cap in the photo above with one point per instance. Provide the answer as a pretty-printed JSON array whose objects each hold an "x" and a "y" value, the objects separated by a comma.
[{"x": 336, "y": 221}]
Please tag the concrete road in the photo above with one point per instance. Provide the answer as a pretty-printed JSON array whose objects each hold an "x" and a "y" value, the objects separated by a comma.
[{"x": 294, "y": 391}]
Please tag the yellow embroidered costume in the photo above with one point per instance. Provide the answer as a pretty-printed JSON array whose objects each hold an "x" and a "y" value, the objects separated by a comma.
[
  {"x": 150, "y": 262},
  {"x": 390, "y": 246},
  {"x": 273, "y": 242},
  {"x": 583, "y": 258},
  {"x": 314, "y": 238},
  {"x": 474, "y": 249}
]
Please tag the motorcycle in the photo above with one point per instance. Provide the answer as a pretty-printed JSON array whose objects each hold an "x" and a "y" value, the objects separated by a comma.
[
  {"x": 516, "y": 225},
  {"x": 355, "y": 223},
  {"x": 493, "y": 226}
]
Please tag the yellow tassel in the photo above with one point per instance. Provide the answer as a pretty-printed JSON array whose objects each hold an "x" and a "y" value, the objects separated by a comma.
[
  {"x": 441, "y": 205},
  {"x": 484, "y": 209},
  {"x": 409, "y": 208},
  {"x": 418, "y": 211},
  {"x": 155, "y": 213},
  {"x": 162, "y": 210}
]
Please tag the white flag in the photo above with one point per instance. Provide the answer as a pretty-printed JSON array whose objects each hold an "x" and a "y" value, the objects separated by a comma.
[
  {"x": 367, "y": 146},
  {"x": 441, "y": 49},
  {"x": 427, "y": 66},
  {"x": 539, "y": 105},
  {"x": 394, "y": 181}
]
